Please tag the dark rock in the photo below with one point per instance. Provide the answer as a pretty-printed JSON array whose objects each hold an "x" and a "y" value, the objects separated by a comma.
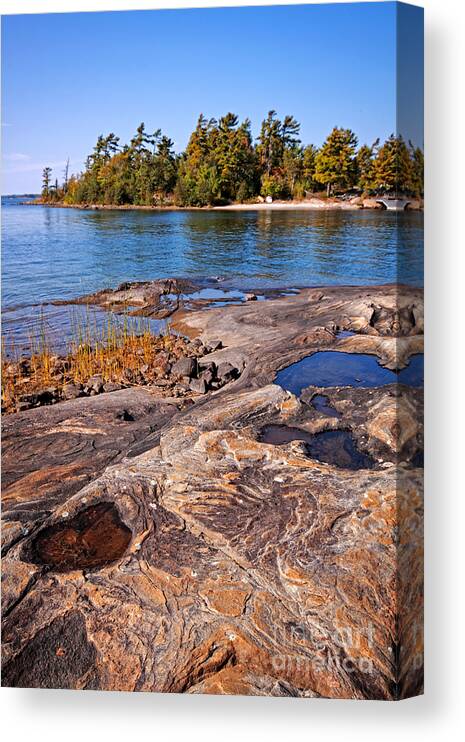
[
  {"x": 94, "y": 384},
  {"x": 58, "y": 656},
  {"x": 28, "y": 400},
  {"x": 207, "y": 366},
  {"x": 185, "y": 367},
  {"x": 72, "y": 391},
  {"x": 213, "y": 345},
  {"x": 111, "y": 386},
  {"x": 46, "y": 396},
  {"x": 227, "y": 372},
  {"x": 207, "y": 376},
  {"x": 198, "y": 385}
]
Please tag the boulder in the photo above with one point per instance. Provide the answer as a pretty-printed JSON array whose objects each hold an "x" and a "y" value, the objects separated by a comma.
[
  {"x": 94, "y": 384},
  {"x": 185, "y": 367},
  {"x": 226, "y": 372},
  {"x": 207, "y": 376},
  {"x": 111, "y": 386},
  {"x": 72, "y": 390},
  {"x": 207, "y": 366},
  {"x": 198, "y": 386},
  {"x": 48, "y": 395},
  {"x": 213, "y": 345}
]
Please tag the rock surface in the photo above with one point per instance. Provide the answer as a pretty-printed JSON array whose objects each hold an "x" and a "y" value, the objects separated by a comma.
[{"x": 157, "y": 546}]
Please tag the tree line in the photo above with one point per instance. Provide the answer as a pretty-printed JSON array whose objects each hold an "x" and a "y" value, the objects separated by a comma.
[{"x": 223, "y": 164}]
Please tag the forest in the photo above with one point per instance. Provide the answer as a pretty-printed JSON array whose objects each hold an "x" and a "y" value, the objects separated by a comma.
[{"x": 223, "y": 164}]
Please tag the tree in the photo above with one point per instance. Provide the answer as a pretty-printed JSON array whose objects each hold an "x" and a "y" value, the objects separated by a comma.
[
  {"x": 335, "y": 161},
  {"x": 292, "y": 168},
  {"x": 269, "y": 149},
  {"x": 66, "y": 176},
  {"x": 46, "y": 176},
  {"x": 393, "y": 167},
  {"x": 418, "y": 166},
  {"x": 309, "y": 167},
  {"x": 279, "y": 155},
  {"x": 219, "y": 163},
  {"x": 365, "y": 166}
]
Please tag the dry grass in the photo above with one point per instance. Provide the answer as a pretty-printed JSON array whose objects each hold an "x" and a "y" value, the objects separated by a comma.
[{"x": 117, "y": 352}]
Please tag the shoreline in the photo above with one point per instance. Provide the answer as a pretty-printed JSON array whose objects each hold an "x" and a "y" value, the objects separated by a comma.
[{"x": 310, "y": 205}]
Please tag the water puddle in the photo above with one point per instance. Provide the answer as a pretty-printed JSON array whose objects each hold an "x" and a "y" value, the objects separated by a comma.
[
  {"x": 322, "y": 404},
  {"x": 333, "y": 368},
  {"x": 335, "y": 447},
  {"x": 212, "y": 294},
  {"x": 93, "y": 538},
  {"x": 345, "y": 334},
  {"x": 216, "y": 297},
  {"x": 418, "y": 460}
]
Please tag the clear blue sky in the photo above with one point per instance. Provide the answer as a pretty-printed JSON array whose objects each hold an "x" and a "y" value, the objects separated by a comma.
[{"x": 69, "y": 77}]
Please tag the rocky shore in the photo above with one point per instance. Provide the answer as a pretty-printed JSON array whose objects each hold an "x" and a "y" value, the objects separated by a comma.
[
  {"x": 355, "y": 203},
  {"x": 244, "y": 539}
]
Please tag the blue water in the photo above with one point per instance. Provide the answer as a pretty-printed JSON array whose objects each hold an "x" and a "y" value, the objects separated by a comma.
[
  {"x": 333, "y": 368},
  {"x": 51, "y": 253}
]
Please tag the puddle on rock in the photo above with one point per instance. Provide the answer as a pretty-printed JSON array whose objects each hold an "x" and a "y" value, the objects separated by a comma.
[
  {"x": 334, "y": 368},
  {"x": 345, "y": 334},
  {"x": 321, "y": 403},
  {"x": 418, "y": 460},
  {"x": 92, "y": 538},
  {"x": 335, "y": 447}
]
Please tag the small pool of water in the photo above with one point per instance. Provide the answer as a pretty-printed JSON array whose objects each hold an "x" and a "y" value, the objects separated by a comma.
[
  {"x": 345, "y": 334},
  {"x": 418, "y": 460},
  {"x": 335, "y": 447},
  {"x": 332, "y": 368},
  {"x": 322, "y": 404}
]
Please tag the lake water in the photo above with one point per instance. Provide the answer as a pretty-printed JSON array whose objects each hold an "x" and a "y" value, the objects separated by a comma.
[{"x": 53, "y": 253}]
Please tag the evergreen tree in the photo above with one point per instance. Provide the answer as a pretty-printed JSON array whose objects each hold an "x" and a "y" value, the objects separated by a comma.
[
  {"x": 308, "y": 181},
  {"x": 46, "y": 175},
  {"x": 365, "y": 167},
  {"x": 393, "y": 167},
  {"x": 418, "y": 166},
  {"x": 279, "y": 155},
  {"x": 335, "y": 161}
]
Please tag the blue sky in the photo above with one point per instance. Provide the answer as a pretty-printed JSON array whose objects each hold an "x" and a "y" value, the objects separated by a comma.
[{"x": 68, "y": 77}]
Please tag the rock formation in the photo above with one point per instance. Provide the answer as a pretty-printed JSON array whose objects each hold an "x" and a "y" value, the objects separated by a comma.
[{"x": 158, "y": 545}]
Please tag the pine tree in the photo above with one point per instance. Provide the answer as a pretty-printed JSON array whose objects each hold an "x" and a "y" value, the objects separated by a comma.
[
  {"x": 365, "y": 166},
  {"x": 418, "y": 166},
  {"x": 335, "y": 161},
  {"x": 46, "y": 175},
  {"x": 393, "y": 167}
]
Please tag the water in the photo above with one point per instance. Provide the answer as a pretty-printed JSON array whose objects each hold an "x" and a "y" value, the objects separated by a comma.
[
  {"x": 53, "y": 253},
  {"x": 322, "y": 404},
  {"x": 333, "y": 368},
  {"x": 335, "y": 447}
]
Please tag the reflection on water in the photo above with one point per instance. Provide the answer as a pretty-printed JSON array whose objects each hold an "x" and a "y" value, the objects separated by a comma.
[
  {"x": 59, "y": 253},
  {"x": 330, "y": 368},
  {"x": 336, "y": 447}
]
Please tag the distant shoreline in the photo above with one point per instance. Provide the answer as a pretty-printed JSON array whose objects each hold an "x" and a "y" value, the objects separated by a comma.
[{"x": 312, "y": 205}]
